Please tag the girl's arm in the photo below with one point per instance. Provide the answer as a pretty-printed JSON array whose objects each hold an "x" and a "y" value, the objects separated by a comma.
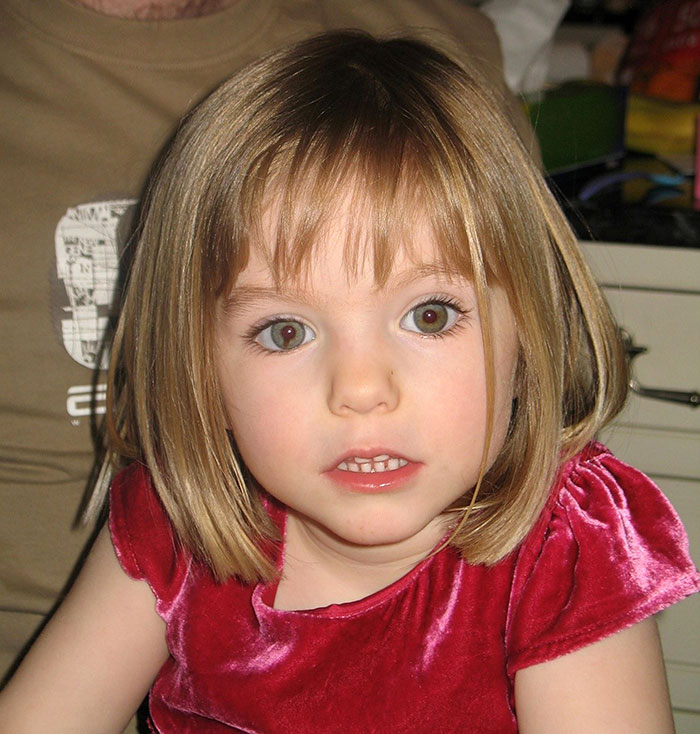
[
  {"x": 614, "y": 686},
  {"x": 92, "y": 665}
]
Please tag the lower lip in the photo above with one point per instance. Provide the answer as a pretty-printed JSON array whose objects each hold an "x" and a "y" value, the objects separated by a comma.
[{"x": 374, "y": 482}]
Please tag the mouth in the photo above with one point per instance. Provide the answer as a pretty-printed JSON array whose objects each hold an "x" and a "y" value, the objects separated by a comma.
[
  {"x": 372, "y": 465},
  {"x": 374, "y": 472}
]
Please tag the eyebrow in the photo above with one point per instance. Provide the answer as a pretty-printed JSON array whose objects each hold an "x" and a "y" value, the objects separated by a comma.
[
  {"x": 246, "y": 296},
  {"x": 424, "y": 270}
]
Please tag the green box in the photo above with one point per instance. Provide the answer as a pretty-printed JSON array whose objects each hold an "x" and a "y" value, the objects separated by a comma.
[{"x": 578, "y": 124}]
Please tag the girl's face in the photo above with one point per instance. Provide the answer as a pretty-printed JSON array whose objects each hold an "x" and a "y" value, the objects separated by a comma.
[{"x": 363, "y": 408}]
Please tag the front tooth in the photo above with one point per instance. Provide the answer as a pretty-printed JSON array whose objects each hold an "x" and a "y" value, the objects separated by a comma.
[{"x": 380, "y": 463}]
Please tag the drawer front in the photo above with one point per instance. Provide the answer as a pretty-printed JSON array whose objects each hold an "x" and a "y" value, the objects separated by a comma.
[
  {"x": 686, "y": 722},
  {"x": 656, "y": 452},
  {"x": 643, "y": 266}
]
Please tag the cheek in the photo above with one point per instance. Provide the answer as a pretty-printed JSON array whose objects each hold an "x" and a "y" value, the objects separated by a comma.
[
  {"x": 466, "y": 410},
  {"x": 252, "y": 406},
  {"x": 451, "y": 400},
  {"x": 465, "y": 407},
  {"x": 266, "y": 416}
]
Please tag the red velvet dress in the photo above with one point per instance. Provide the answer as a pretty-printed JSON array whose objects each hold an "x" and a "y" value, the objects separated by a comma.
[{"x": 436, "y": 651}]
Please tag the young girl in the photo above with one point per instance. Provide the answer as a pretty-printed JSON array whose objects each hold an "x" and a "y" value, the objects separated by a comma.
[{"x": 358, "y": 374}]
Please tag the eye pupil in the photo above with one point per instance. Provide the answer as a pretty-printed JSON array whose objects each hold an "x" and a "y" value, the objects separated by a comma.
[
  {"x": 431, "y": 318},
  {"x": 287, "y": 335}
]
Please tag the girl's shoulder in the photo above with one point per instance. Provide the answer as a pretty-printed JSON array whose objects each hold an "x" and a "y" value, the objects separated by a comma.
[
  {"x": 607, "y": 551},
  {"x": 598, "y": 495}
]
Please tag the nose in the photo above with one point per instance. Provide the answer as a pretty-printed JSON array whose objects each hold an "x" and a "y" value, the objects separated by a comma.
[{"x": 361, "y": 383}]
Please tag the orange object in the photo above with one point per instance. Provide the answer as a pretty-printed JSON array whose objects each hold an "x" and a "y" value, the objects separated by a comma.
[{"x": 663, "y": 57}]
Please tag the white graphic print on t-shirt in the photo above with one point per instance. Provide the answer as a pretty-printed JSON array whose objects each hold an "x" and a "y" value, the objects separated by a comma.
[{"x": 89, "y": 241}]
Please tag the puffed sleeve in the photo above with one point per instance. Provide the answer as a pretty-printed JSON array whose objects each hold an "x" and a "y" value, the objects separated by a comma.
[
  {"x": 143, "y": 537},
  {"x": 608, "y": 551}
]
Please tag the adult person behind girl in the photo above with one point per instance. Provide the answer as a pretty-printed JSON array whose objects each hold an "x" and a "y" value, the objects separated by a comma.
[
  {"x": 91, "y": 91},
  {"x": 359, "y": 368}
]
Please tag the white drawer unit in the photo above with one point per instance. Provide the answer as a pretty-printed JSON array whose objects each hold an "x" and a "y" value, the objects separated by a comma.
[{"x": 655, "y": 294}]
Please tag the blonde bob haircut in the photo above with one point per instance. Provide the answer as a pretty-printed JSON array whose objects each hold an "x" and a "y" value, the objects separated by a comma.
[{"x": 407, "y": 129}]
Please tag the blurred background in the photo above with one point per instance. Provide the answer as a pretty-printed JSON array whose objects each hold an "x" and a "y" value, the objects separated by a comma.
[{"x": 612, "y": 89}]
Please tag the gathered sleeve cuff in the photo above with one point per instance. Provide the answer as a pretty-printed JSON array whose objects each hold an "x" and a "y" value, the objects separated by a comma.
[{"x": 143, "y": 537}]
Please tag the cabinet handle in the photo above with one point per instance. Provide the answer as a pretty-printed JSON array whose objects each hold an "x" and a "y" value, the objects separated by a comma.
[{"x": 691, "y": 398}]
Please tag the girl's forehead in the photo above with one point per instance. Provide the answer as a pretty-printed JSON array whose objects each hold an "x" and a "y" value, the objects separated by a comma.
[
  {"x": 326, "y": 262},
  {"x": 303, "y": 239},
  {"x": 346, "y": 248}
]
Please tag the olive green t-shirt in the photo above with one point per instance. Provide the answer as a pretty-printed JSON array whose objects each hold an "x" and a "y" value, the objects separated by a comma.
[{"x": 88, "y": 101}]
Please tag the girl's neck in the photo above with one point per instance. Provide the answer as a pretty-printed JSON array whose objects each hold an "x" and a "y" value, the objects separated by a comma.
[
  {"x": 319, "y": 571},
  {"x": 156, "y": 9}
]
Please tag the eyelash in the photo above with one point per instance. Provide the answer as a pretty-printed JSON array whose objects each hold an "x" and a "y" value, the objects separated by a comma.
[{"x": 253, "y": 334}]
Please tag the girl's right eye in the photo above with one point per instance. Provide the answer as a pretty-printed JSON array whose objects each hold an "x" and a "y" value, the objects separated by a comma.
[{"x": 284, "y": 335}]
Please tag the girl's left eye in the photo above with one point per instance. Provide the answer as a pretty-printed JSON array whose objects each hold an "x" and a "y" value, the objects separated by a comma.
[
  {"x": 284, "y": 335},
  {"x": 432, "y": 317}
]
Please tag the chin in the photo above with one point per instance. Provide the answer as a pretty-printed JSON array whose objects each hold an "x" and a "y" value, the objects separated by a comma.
[{"x": 387, "y": 533}]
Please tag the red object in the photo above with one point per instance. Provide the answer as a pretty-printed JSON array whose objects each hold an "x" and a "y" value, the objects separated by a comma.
[
  {"x": 696, "y": 188},
  {"x": 436, "y": 651},
  {"x": 663, "y": 56}
]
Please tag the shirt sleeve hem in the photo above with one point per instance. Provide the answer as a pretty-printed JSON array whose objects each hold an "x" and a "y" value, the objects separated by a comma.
[{"x": 595, "y": 632}]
